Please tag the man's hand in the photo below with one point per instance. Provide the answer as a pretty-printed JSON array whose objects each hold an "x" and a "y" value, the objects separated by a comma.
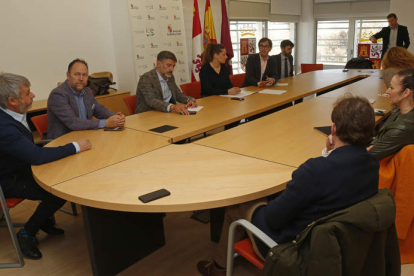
[
  {"x": 179, "y": 108},
  {"x": 192, "y": 103},
  {"x": 369, "y": 148},
  {"x": 329, "y": 143},
  {"x": 117, "y": 120},
  {"x": 373, "y": 39},
  {"x": 233, "y": 91},
  {"x": 262, "y": 84},
  {"x": 84, "y": 144},
  {"x": 270, "y": 81}
]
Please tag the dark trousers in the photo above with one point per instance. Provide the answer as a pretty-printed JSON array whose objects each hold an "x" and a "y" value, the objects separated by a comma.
[{"x": 27, "y": 188}]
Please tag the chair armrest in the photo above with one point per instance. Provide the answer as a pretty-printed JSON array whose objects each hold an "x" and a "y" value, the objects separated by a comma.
[{"x": 255, "y": 231}]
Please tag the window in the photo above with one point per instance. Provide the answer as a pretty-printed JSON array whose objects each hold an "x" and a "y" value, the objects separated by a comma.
[
  {"x": 332, "y": 42},
  {"x": 257, "y": 29}
]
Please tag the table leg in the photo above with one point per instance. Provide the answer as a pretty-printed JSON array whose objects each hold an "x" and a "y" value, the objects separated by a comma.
[
  {"x": 216, "y": 223},
  {"x": 116, "y": 240}
]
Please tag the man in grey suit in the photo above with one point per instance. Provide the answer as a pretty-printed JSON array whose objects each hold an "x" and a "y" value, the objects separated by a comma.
[{"x": 157, "y": 88}]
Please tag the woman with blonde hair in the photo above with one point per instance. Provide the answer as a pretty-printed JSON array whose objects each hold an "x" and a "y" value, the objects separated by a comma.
[
  {"x": 395, "y": 60},
  {"x": 214, "y": 75}
]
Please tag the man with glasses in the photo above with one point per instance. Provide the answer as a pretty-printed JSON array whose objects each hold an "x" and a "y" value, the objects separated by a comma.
[{"x": 260, "y": 68}]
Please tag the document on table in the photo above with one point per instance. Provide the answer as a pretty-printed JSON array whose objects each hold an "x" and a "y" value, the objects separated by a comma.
[
  {"x": 196, "y": 109},
  {"x": 241, "y": 94},
  {"x": 281, "y": 84},
  {"x": 273, "y": 92}
]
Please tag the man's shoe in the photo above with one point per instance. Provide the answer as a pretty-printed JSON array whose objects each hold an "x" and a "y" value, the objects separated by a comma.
[
  {"x": 51, "y": 230},
  {"x": 28, "y": 245},
  {"x": 208, "y": 268}
]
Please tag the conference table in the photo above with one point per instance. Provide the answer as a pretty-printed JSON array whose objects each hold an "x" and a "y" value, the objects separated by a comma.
[{"x": 250, "y": 161}]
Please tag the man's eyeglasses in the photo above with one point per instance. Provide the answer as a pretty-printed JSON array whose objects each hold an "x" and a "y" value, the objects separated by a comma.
[{"x": 264, "y": 46}]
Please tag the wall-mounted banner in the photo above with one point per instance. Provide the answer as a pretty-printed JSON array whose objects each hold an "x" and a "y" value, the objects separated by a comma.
[{"x": 158, "y": 25}]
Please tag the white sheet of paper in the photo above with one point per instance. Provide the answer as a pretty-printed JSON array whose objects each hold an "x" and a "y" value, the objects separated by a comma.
[
  {"x": 241, "y": 94},
  {"x": 281, "y": 84},
  {"x": 273, "y": 92},
  {"x": 198, "y": 108}
]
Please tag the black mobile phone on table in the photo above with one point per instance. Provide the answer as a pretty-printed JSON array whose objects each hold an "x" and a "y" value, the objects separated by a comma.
[
  {"x": 114, "y": 128},
  {"x": 191, "y": 113},
  {"x": 154, "y": 195},
  {"x": 237, "y": 99}
]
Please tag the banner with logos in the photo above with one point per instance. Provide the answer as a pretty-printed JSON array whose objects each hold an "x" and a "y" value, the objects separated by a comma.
[
  {"x": 247, "y": 48},
  {"x": 371, "y": 52},
  {"x": 158, "y": 25}
]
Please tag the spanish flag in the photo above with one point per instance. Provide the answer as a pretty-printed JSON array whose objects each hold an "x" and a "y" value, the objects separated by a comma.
[{"x": 209, "y": 35}]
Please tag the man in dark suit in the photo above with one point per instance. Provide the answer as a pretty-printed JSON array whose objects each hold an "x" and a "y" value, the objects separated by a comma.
[
  {"x": 157, "y": 90},
  {"x": 18, "y": 153},
  {"x": 345, "y": 175},
  {"x": 72, "y": 106},
  {"x": 284, "y": 60},
  {"x": 260, "y": 68},
  {"x": 393, "y": 35}
]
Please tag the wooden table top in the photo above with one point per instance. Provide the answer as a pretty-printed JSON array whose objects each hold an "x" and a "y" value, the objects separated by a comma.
[
  {"x": 286, "y": 137},
  {"x": 108, "y": 147},
  {"x": 198, "y": 178},
  {"x": 219, "y": 111}
]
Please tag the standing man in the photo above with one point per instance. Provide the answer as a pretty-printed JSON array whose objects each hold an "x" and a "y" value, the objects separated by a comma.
[
  {"x": 260, "y": 68},
  {"x": 284, "y": 60},
  {"x": 157, "y": 88},
  {"x": 393, "y": 35},
  {"x": 18, "y": 153},
  {"x": 71, "y": 106}
]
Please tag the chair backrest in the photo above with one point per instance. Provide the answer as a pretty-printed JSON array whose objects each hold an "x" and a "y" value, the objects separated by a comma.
[
  {"x": 131, "y": 102},
  {"x": 192, "y": 89},
  {"x": 40, "y": 123},
  {"x": 309, "y": 67},
  {"x": 237, "y": 80}
]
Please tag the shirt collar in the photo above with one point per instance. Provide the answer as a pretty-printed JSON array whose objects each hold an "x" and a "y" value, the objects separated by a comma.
[
  {"x": 17, "y": 116},
  {"x": 159, "y": 77},
  {"x": 80, "y": 94},
  {"x": 395, "y": 28},
  {"x": 263, "y": 59}
]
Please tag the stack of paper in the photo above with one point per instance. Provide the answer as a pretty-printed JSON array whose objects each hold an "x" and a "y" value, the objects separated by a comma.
[
  {"x": 273, "y": 92},
  {"x": 241, "y": 94}
]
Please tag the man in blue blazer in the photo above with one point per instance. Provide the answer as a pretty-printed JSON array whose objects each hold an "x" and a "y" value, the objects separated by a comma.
[
  {"x": 346, "y": 174},
  {"x": 18, "y": 153},
  {"x": 393, "y": 35},
  {"x": 260, "y": 68},
  {"x": 71, "y": 106}
]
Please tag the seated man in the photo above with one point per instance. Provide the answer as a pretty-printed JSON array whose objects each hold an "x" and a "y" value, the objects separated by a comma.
[
  {"x": 284, "y": 60},
  {"x": 260, "y": 68},
  {"x": 72, "y": 105},
  {"x": 347, "y": 174},
  {"x": 18, "y": 153},
  {"x": 157, "y": 88}
]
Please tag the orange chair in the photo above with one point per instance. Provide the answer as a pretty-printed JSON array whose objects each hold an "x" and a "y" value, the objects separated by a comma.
[
  {"x": 192, "y": 89},
  {"x": 6, "y": 204},
  {"x": 40, "y": 123},
  {"x": 309, "y": 67},
  {"x": 245, "y": 248},
  {"x": 237, "y": 80},
  {"x": 131, "y": 102}
]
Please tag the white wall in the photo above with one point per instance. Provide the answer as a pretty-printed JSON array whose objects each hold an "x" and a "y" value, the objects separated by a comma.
[
  {"x": 40, "y": 38},
  {"x": 306, "y": 35},
  {"x": 404, "y": 10}
]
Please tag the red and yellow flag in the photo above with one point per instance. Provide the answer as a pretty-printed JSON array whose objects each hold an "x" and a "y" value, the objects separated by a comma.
[{"x": 209, "y": 35}]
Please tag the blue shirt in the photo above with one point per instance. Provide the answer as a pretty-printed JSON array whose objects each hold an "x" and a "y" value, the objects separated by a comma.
[
  {"x": 166, "y": 91},
  {"x": 81, "y": 106}
]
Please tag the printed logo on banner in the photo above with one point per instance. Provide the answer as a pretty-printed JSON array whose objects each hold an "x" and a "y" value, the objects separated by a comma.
[
  {"x": 179, "y": 53},
  {"x": 154, "y": 65},
  {"x": 143, "y": 66},
  {"x": 151, "y": 17},
  {"x": 179, "y": 43},
  {"x": 139, "y": 31},
  {"x": 181, "y": 70},
  {"x": 140, "y": 46},
  {"x": 154, "y": 45},
  {"x": 377, "y": 63},
  {"x": 176, "y": 17},
  {"x": 137, "y": 17},
  {"x": 150, "y": 31},
  {"x": 134, "y": 7},
  {"x": 150, "y": 7},
  {"x": 172, "y": 32},
  {"x": 363, "y": 50},
  {"x": 252, "y": 46},
  {"x": 183, "y": 80},
  {"x": 177, "y": 8},
  {"x": 140, "y": 57},
  {"x": 162, "y": 8},
  {"x": 197, "y": 63},
  {"x": 164, "y": 16},
  {"x": 376, "y": 50},
  {"x": 180, "y": 62},
  {"x": 168, "y": 44}
]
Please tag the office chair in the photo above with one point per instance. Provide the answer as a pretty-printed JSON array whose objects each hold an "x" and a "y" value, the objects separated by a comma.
[
  {"x": 309, "y": 67},
  {"x": 131, "y": 102},
  {"x": 192, "y": 89},
  {"x": 237, "y": 80}
]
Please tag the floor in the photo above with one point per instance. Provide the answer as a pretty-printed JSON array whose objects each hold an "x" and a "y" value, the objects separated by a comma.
[{"x": 188, "y": 241}]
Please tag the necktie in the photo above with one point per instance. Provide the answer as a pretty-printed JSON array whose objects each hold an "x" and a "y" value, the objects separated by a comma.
[{"x": 286, "y": 68}]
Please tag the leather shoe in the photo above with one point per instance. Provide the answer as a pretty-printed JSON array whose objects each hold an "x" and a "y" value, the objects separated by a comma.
[
  {"x": 51, "y": 230},
  {"x": 28, "y": 246},
  {"x": 208, "y": 268}
]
